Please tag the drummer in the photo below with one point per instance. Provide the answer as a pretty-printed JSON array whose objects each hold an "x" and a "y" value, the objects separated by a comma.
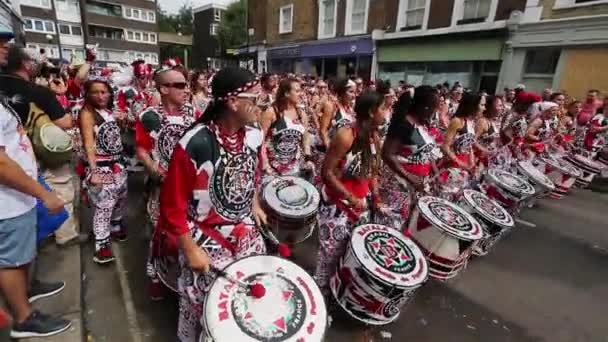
[
  {"x": 349, "y": 175},
  {"x": 338, "y": 112},
  {"x": 408, "y": 149},
  {"x": 597, "y": 134},
  {"x": 487, "y": 132},
  {"x": 568, "y": 122},
  {"x": 543, "y": 128},
  {"x": 460, "y": 136},
  {"x": 515, "y": 127},
  {"x": 208, "y": 201},
  {"x": 285, "y": 127},
  {"x": 388, "y": 101}
]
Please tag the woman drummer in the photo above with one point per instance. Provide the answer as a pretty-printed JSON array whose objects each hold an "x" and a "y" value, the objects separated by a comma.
[
  {"x": 199, "y": 87},
  {"x": 543, "y": 128},
  {"x": 515, "y": 126},
  {"x": 208, "y": 201},
  {"x": 597, "y": 133},
  {"x": 567, "y": 123},
  {"x": 409, "y": 150},
  {"x": 460, "y": 136},
  {"x": 285, "y": 127},
  {"x": 388, "y": 101},
  {"x": 349, "y": 176},
  {"x": 487, "y": 132},
  {"x": 336, "y": 113},
  {"x": 106, "y": 177}
]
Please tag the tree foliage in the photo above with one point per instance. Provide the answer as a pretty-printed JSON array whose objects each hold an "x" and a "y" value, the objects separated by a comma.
[
  {"x": 233, "y": 27},
  {"x": 182, "y": 22}
]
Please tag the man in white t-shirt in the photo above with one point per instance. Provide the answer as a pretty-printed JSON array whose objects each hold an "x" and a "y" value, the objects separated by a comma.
[{"x": 18, "y": 192}]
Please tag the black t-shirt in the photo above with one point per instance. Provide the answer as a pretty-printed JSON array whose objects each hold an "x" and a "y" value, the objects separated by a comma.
[
  {"x": 22, "y": 93},
  {"x": 400, "y": 128}
]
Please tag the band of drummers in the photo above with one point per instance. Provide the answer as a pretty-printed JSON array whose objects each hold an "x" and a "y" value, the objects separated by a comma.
[{"x": 398, "y": 183}]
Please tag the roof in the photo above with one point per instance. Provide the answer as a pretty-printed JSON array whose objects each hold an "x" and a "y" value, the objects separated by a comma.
[{"x": 220, "y": 4}]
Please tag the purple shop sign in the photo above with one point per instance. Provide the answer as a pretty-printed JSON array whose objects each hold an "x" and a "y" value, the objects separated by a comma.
[{"x": 361, "y": 46}]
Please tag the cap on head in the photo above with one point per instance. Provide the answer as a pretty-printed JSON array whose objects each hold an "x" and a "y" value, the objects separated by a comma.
[{"x": 6, "y": 33}]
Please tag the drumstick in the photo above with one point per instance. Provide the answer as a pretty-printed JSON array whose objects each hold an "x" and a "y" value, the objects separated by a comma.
[{"x": 256, "y": 290}]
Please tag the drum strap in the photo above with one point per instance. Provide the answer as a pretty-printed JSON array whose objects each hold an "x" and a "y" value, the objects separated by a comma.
[{"x": 218, "y": 237}]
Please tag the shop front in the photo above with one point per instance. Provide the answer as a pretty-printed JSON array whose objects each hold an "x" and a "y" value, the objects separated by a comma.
[
  {"x": 350, "y": 56},
  {"x": 474, "y": 60}
]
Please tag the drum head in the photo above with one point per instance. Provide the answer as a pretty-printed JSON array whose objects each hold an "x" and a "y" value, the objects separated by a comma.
[
  {"x": 562, "y": 166},
  {"x": 511, "y": 182},
  {"x": 450, "y": 218},
  {"x": 534, "y": 174},
  {"x": 291, "y": 197},
  {"x": 293, "y": 308},
  {"x": 585, "y": 163},
  {"x": 488, "y": 208},
  {"x": 401, "y": 261}
]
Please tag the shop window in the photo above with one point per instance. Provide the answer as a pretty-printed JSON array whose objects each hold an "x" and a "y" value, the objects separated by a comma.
[
  {"x": 286, "y": 19},
  {"x": 541, "y": 61}
]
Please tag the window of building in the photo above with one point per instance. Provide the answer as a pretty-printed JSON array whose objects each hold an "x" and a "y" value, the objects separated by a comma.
[
  {"x": 141, "y": 37},
  {"x": 327, "y": 18},
  {"x": 286, "y": 19},
  {"x": 541, "y": 61},
  {"x": 139, "y": 14},
  {"x": 67, "y": 29},
  {"x": 356, "y": 16},
  {"x": 146, "y": 37},
  {"x": 138, "y": 36},
  {"x": 414, "y": 13},
  {"x": 39, "y": 25},
  {"x": 213, "y": 28},
  {"x": 106, "y": 32},
  {"x": 51, "y": 51},
  {"x": 103, "y": 8},
  {"x": 37, "y": 3},
  {"x": 151, "y": 16},
  {"x": 130, "y": 35},
  {"x": 476, "y": 9},
  {"x": 128, "y": 12},
  {"x": 153, "y": 37},
  {"x": 217, "y": 14}
]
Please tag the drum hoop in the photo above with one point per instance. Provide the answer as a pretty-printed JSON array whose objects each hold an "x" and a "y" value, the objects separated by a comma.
[
  {"x": 510, "y": 222},
  {"x": 321, "y": 300},
  {"x": 448, "y": 229},
  {"x": 311, "y": 191},
  {"x": 493, "y": 177},
  {"x": 545, "y": 182},
  {"x": 162, "y": 278}
]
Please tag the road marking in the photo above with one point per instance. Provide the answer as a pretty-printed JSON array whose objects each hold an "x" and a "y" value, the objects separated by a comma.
[
  {"x": 134, "y": 328},
  {"x": 525, "y": 223}
]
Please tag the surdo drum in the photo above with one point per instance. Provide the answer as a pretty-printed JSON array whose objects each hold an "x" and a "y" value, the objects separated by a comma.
[
  {"x": 291, "y": 310},
  {"x": 445, "y": 233},
  {"x": 494, "y": 219},
  {"x": 542, "y": 184},
  {"x": 562, "y": 174},
  {"x": 291, "y": 204},
  {"x": 378, "y": 274},
  {"x": 589, "y": 168},
  {"x": 506, "y": 188}
]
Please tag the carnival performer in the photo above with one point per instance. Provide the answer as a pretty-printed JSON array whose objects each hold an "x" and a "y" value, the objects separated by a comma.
[
  {"x": 487, "y": 131},
  {"x": 131, "y": 100},
  {"x": 337, "y": 113},
  {"x": 597, "y": 134},
  {"x": 456, "y": 94},
  {"x": 349, "y": 176},
  {"x": 267, "y": 92},
  {"x": 157, "y": 131},
  {"x": 106, "y": 178},
  {"x": 515, "y": 123},
  {"x": 208, "y": 200},
  {"x": 544, "y": 127},
  {"x": 409, "y": 149},
  {"x": 199, "y": 87},
  {"x": 568, "y": 126},
  {"x": 460, "y": 136},
  {"x": 440, "y": 120},
  {"x": 285, "y": 128},
  {"x": 388, "y": 101}
]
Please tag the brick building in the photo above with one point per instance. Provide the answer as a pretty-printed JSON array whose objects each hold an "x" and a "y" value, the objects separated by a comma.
[{"x": 207, "y": 50}]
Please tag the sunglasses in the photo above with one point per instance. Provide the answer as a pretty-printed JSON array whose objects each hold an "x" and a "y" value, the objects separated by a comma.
[{"x": 176, "y": 85}]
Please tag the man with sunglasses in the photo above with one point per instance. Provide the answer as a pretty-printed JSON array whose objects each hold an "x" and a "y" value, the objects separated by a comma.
[{"x": 156, "y": 133}]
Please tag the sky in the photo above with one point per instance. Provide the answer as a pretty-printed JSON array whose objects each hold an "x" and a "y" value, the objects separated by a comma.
[{"x": 172, "y": 6}]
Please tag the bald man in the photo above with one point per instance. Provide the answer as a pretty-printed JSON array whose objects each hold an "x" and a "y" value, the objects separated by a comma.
[{"x": 157, "y": 131}]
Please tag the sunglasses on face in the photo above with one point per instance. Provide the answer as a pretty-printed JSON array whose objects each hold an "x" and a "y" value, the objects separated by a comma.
[{"x": 176, "y": 85}]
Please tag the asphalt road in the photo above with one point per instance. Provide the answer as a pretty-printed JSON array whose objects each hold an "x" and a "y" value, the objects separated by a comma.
[{"x": 548, "y": 283}]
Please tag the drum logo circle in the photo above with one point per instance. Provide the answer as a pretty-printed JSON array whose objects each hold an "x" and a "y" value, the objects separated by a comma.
[
  {"x": 109, "y": 140},
  {"x": 286, "y": 144},
  {"x": 389, "y": 252},
  {"x": 448, "y": 216},
  {"x": 232, "y": 186},
  {"x": 167, "y": 139},
  {"x": 488, "y": 206},
  {"x": 279, "y": 323}
]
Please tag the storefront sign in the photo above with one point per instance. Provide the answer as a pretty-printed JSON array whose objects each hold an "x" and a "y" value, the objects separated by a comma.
[
  {"x": 344, "y": 47},
  {"x": 290, "y": 52}
]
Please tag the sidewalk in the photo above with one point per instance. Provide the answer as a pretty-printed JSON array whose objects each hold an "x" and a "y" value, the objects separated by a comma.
[{"x": 55, "y": 264}]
